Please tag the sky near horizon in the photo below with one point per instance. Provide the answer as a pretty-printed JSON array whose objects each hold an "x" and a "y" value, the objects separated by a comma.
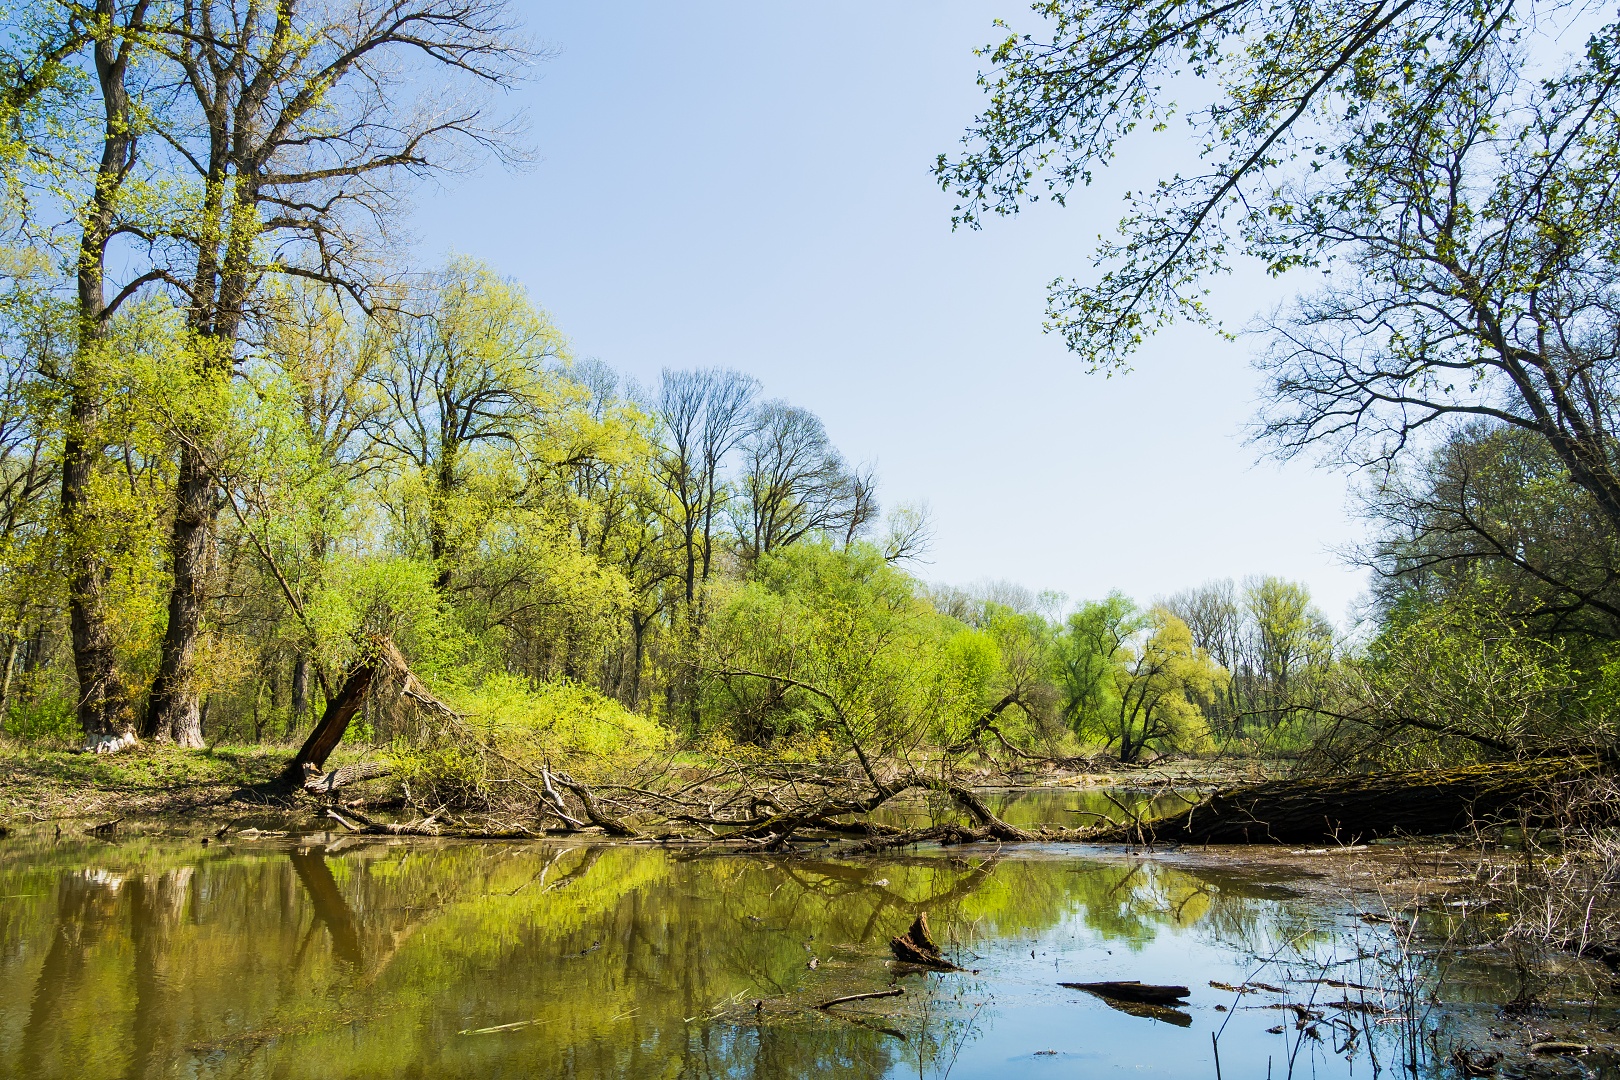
[{"x": 749, "y": 186}]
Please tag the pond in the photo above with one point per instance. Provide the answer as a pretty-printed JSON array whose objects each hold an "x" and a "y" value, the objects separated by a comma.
[{"x": 330, "y": 956}]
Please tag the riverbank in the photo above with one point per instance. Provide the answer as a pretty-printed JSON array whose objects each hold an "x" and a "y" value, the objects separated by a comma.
[{"x": 163, "y": 782}]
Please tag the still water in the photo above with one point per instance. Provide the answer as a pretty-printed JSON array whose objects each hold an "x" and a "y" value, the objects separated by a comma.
[{"x": 326, "y": 956}]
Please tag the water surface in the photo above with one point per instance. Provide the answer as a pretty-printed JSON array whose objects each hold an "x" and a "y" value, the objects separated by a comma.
[{"x": 328, "y": 957}]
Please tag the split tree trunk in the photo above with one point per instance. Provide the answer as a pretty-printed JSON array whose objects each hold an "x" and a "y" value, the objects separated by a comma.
[{"x": 334, "y": 722}]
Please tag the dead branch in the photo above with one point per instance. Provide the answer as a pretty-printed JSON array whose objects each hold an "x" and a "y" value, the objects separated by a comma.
[{"x": 895, "y": 992}]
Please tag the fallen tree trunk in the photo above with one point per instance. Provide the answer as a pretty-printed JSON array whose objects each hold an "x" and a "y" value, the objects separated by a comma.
[
  {"x": 1133, "y": 990},
  {"x": 333, "y": 723},
  {"x": 1349, "y": 809},
  {"x": 317, "y": 783}
]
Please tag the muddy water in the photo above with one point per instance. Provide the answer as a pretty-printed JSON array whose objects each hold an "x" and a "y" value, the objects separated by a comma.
[{"x": 325, "y": 957}]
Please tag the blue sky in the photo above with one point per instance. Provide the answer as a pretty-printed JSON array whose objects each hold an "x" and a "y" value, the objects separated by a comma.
[{"x": 749, "y": 186}]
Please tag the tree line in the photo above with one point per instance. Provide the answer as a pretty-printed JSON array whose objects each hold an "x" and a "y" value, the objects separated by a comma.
[
  {"x": 1436, "y": 181},
  {"x": 240, "y": 436}
]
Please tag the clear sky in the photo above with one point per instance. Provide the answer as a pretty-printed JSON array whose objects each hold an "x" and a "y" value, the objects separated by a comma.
[{"x": 749, "y": 185}]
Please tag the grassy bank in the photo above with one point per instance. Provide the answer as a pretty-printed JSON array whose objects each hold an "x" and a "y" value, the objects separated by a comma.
[{"x": 45, "y": 785}]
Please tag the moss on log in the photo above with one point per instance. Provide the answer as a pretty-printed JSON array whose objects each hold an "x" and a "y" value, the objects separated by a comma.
[{"x": 1349, "y": 809}]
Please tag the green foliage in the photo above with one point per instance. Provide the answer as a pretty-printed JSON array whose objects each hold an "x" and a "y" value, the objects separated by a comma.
[
  {"x": 47, "y": 719},
  {"x": 1087, "y": 661},
  {"x": 1463, "y": 679},
  {"x": 885, "y": 669},
  {"x": 560, "y": 720}
]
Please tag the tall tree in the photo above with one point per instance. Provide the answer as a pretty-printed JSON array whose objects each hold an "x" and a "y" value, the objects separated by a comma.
[
  {"x": 1457, "y": 193},
  {"x": 301, "y": 124},
  {"x": 113, "y": 33},
  {"x": 794, "y": 482},
  {"x": 704, "y": 415},
  {"x": 468, "y": 367}
]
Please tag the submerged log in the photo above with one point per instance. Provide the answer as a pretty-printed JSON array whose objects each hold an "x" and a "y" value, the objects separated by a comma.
[
  {"x": 1345, "y": 810},
  {"x": 1132, "y": 990},
  {"x": 892, "y": 992}
]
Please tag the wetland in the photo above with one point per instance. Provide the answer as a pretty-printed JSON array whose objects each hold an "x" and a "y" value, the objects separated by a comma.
[{"x": 291, "y": 954}]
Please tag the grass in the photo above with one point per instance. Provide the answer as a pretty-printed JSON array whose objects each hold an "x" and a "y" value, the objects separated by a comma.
[{"x": 43, "y": 785}]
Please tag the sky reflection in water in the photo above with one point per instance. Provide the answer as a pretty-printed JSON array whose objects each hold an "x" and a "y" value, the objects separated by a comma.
[{"x": 332, "y": 958}]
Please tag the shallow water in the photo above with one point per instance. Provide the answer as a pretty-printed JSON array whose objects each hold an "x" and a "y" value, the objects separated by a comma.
[
  {"x": 1033, "y": 807},
  {"x": 327, "y": 957}
]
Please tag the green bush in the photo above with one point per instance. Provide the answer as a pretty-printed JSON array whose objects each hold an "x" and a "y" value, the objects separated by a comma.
[{"x": 46, "y": 719}]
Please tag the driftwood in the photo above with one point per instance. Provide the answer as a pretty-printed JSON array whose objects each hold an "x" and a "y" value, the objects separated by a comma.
[
  {"x": 356, "y": 822},
  {"x": 916, "y": 946},
  {"x": 1163, "y": 1003}
]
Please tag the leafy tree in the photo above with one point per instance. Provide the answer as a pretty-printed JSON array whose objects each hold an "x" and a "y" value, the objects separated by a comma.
[
  {"x": 1494, "y": 504},
  {"x": 832, "y": 643},
  {"x": 471, "y": 367},
  {"x": 1462, "y": 677},
  {"x": 1158, "y": 681},
  {"x": 1087, "y": 658},
  {"x": 1280, "y": 94},
  {"x": 1133, "y": 678},
  {"x": 297, "y": 128}
]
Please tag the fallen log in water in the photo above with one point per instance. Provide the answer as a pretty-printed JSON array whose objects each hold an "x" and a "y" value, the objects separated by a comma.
[
  {"x": 894, "y": 992},
  {"x": 1132, "y": 990},
  {"x": 1347, "y": 809}
]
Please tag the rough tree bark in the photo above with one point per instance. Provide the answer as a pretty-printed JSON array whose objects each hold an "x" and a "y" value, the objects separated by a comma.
[
  {"x": 175, "y": 708},
  {"x": 300, "y": 689}
]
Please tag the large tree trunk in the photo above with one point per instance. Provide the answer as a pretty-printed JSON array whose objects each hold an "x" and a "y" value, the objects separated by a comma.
[
  {"x": 104, "y": 710},
  {"x": 175, "y": 709},
  {"x": 1352, "y": 809}
]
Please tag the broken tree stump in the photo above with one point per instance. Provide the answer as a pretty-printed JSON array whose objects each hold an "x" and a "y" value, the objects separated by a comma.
[
  {"x": 333, "y": 723},
  {"x": 916, "y": 946}
]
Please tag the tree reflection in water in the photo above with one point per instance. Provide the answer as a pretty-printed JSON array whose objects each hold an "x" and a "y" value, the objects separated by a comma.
[{"x": 388, "y": 958}]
